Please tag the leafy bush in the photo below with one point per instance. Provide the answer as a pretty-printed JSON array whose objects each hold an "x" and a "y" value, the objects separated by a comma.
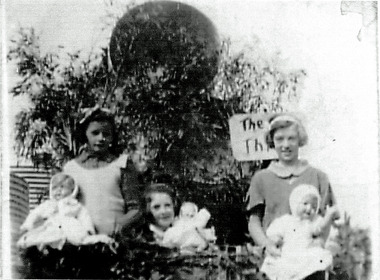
[
  {"x": 352, "y": 258},
  {"x": 137, "y": 259},
  {"x": 184, "y": 126}
]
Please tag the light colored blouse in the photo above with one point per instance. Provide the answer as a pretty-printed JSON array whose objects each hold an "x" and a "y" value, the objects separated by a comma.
[
  {"x": 100, "y": 192},
  {"x": 272, "y": 187}
]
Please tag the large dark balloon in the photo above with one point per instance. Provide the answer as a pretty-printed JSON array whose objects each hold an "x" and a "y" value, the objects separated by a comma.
[{"x": 166, "y": 34}]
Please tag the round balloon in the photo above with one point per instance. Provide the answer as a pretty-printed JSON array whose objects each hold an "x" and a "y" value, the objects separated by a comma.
[{"x": 166, "y": 36}]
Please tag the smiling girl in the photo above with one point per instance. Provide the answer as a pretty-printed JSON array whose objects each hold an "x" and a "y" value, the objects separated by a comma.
[
  {"x": 268, "y": 195},
  {"x": 159, "y": 210}
]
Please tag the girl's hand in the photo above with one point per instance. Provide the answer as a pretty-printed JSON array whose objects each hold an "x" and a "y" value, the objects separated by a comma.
[
  {"x": 332, "y": 213},
  {"x": 273, "y": 248}
]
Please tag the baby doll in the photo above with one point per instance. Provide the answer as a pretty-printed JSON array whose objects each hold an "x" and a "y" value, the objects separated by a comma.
[
  {"x": 301, "y": 237},
  {"x": 59, "y": 219},
  {"x": 189, "y": 230}
]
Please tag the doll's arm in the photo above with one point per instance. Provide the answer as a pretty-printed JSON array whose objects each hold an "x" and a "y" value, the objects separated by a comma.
[
  {"x": 323, "y": 224},
  {"x": 40, "y": 213},
  {"x": 201, "y": 219},
  {"x": 29, "y": 222},
  {"x": 277, "y": 239},
  {"x": 85, "y": 220}
]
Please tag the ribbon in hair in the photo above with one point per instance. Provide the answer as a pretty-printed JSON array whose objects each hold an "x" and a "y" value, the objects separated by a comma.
[{"x": 90, "y": 111}]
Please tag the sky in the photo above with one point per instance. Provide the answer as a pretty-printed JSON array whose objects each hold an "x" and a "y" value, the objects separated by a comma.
[{"x": 339, "y": 100}]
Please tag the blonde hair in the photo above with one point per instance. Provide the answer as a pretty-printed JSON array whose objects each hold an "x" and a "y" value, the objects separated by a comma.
[
  {"x": 285, "y": 120},
  {"x": 60, "y": 178}
]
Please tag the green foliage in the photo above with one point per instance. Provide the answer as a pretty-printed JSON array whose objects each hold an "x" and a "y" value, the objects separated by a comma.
[
  {"x": 352, "y": 257},
  {"x": 52, "y": 86},
  {"x": 129, "y": 259},
  {"x": 249, "y": 88},
  {"x": 180, "y": 123}
]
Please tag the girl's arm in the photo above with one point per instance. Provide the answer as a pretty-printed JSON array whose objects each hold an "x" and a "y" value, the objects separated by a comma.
[
  {"x": 257, "y": 233},
  {"x": 132, "y": 185},
  {"x": 85, "y": 219},
  {"x": 129, "y": 218}
]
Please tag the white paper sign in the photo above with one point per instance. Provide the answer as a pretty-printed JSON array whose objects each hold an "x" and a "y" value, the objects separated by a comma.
[{"x": 247, "y": 134}]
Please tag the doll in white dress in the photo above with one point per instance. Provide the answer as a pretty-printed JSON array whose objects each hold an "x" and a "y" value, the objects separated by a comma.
[
  {"x": 189, "y": 230},
  {"x": 60, "y": 219},
  {"x": 301, "y": 237}
]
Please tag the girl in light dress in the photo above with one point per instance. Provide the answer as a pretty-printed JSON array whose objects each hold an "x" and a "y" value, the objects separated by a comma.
[
  {"x": 300, "y": 237},
  {"x": 60, "y": 219},
  {"x": 270, "y": 188},
  {"x": 97, "y": 171}
]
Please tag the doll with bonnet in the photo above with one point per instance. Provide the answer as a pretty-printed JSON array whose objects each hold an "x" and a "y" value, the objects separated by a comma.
[
  {"x": 189, "y": 230},
  {"x": 300, "y": 236},
  {"x": 59, "y": 219}
]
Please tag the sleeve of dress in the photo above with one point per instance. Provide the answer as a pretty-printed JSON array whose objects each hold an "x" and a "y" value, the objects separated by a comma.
[
  {"x": 254, "y": 195},
  {"x": 327, "y": 195},
  {"x": 131, "y": 186},
  {"x": 68, "y": 168},
  {"x": 85, "y": 220}
]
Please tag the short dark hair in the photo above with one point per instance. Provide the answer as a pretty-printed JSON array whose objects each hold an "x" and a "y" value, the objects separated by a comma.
[{"x": 98, "y": 116}]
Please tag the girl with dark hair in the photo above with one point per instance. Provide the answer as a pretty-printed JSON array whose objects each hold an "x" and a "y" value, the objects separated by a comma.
[
  {"x": 160, "y": 207},
  {"x": 97, "y": 171}
]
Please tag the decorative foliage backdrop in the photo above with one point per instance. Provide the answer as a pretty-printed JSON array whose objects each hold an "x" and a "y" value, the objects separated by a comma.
[
  {"x": 163, "y": 112},
  {"x": 179, "y": 123}
]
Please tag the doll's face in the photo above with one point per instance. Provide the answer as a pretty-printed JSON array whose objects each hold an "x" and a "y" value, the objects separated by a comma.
[
  {"x": 286, "y": 143},
  {"x": 307, "y": 208},
  {"x": 99, "y": 136},
  {"x": 188, "y": 211},
  {"x": 62, "y": 189},
  {"x": 162, "y": 209}
]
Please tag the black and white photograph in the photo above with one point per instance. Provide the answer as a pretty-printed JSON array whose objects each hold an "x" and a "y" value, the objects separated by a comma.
[{"x": 190, "y": 139}]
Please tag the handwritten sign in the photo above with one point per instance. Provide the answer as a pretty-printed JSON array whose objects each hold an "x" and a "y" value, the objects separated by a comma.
[{"x": 247, "y": 133}]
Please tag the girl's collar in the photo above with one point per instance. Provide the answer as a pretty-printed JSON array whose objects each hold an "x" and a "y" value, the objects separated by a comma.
[
  {"x": 286, "y": 172},
  {"x": 91, "y": 159}
]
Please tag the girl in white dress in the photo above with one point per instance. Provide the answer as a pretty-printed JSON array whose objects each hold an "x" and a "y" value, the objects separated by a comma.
[
  {"x": 300, "y": 237},
  {"x": 97, "y": 171}
]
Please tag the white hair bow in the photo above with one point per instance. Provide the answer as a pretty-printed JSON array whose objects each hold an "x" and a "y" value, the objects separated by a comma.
[{"x": 90, "y": 111}]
